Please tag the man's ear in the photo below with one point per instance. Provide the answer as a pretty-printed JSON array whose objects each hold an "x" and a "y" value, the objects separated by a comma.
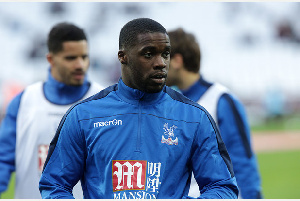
[
  {"x": 122, "y": 57},
  {"x": 49, "y": 57}
]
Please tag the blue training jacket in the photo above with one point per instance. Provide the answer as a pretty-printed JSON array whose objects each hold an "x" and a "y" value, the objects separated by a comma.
[
  {"x": 235, "y": 131},
  {"x": 125, "y": 143}
]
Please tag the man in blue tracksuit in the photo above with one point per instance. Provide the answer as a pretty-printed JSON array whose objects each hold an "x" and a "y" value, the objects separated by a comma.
[
  {"x": 227, "y": 111},
  {"x": 33, "y": 116},
  {"x": 138, "y": 139}
]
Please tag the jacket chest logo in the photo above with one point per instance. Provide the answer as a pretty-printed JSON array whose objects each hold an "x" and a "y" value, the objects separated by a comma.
[{"x": 168, "y": 137}]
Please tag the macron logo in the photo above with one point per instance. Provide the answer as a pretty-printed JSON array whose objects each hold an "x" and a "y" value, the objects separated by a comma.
[{"x": 114, "y": 122}]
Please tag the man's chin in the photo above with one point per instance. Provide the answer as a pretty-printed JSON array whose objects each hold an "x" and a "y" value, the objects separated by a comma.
[
  {"x": 155, "y": 89},
  {"x": 76, "y": 83}
]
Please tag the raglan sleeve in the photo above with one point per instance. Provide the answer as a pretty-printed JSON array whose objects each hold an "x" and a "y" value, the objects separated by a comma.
[
  {"x": 211, "y": 163},
  {"x": 8, "y": 131},
  {"x": 64, "y": 165}
]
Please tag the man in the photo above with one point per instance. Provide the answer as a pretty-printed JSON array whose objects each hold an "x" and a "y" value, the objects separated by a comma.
[
  {"x": 138, "y": 139},
  {"x": 33, "y": 116},
  {"x": 225, "y": 108}
]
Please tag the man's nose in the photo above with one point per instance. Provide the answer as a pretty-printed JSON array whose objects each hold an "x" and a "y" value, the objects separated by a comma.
[
  {"x": 160, "y": 62},
  {"x": 79, "y": 63}
]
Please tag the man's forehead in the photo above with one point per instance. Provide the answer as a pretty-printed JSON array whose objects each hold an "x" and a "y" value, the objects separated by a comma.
[{"x": 147, "y": 38}]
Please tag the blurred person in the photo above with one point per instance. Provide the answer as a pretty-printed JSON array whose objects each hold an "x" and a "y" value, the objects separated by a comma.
[
  {"x": 227, "y": 111},
  {"x": 138, "y": 139},
  {"x": 33, "y": 116},
  {"x": 274, "y": 102}
]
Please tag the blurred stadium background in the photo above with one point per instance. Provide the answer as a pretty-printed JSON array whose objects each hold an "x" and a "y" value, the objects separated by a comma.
[{"x": 251, "y": 47}]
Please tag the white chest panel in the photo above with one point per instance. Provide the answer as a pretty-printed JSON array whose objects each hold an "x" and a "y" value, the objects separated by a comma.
[{"x": 37, "y": 122}]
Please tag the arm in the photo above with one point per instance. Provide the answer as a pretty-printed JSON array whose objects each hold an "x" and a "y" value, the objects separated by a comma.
[
  {"x": 8, "y": 142},
  {"x": 235, "y": 132},
  {"x": 65, "y": 161},
  {"x": 211, "y": 164}
]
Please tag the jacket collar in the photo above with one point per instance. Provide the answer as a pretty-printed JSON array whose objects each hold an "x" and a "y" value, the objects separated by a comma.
[
  {"x": 62, "y": 94},
  {"x": 135, "y": 96}
]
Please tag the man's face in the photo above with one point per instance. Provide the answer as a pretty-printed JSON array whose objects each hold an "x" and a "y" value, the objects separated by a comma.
[
  {"x": 147, "y": 62},
  {"x": 70, "y": 65}
]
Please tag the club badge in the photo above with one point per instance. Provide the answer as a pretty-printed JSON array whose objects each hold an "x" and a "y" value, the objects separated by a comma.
[{"x": 169, "y": 133}]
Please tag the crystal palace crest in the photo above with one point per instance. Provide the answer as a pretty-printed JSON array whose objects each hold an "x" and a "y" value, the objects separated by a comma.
[{"x": 169, "y": 133}]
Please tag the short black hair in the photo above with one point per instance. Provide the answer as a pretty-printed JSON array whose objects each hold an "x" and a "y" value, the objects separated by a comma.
[
  {"x": 186, "y": 44},
  {"x": 130, "y": 31},
  {"x": 63, "y": 32}
]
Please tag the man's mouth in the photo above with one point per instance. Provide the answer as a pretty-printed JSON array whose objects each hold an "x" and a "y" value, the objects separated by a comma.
[
  {"x": 159, "y": 78},
  {"x": 78, "y": 76}
]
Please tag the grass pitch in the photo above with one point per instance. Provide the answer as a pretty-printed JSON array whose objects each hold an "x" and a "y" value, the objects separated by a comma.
[{"x": 280, "y": 172}]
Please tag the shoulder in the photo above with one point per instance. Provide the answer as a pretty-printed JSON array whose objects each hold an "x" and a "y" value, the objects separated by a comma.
[
  {"x": 98, "y": 96},
  {"x": 15, "y": 102},
  {"x": 219, "y": 89},
  {"x": 96, "y": 86},
  {"x": 230, "y": 105},
  {"x": 102, "y": 94},
  {"x": 176, "y": 96},
  {"x": 228, "y": 99},
  {"x": 185, "y": 102},
  {"x": 34, "y": 86},
  {"x": 33, "y": 90}
]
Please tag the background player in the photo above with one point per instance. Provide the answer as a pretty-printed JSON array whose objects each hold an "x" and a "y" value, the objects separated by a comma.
[
  {"x": 225, "y": 108},
  {"x": 33, "y": 116}
]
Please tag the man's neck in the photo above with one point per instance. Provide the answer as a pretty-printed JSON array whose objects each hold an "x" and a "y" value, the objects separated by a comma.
[{"x": 188, "y": 79}]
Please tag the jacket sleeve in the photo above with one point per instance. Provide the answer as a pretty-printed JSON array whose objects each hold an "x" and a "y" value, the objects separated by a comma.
[
  {"x": 211, "y": 164},
  {"x": 8, "y": 142},
  {"x": 65, "y": 161},
  {"x": 235, "y": 132}
]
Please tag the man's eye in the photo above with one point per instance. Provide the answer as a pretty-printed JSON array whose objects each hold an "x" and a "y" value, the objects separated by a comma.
[
  {"x": 148, "y": 54},
  {"x": 166, "y": 54},
  {"x": 70, "y": 58},
  {"x": 85, "y": 57}
]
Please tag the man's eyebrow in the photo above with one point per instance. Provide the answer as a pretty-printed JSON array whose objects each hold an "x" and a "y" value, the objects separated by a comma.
[
  {"x": 147, "y": 48},
  {"x": 150, "y": 47},
  {"x": 75, "y": 55},
  {"x": 70, "y": 56}
]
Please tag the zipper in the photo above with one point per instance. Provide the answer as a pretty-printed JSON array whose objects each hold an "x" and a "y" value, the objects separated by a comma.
[{"x": 138, "y": 142}]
